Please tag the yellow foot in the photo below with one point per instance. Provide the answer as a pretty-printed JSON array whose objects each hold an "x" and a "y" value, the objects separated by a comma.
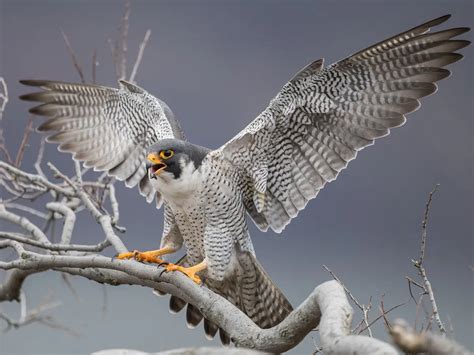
[
  {"x": 148, "y": 256},
  {"x": 188, "y": 271}
]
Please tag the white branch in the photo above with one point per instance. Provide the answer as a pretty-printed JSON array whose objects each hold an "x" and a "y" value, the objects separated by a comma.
[
  {"x": 27, "y": 209},
  {"x": 425, "y": 342},
  {"x": 104, "y": 219},
  {"x": 69, "y": 219},
  {"x": 24, "y": 223},
  {"x": 38, "y": 180},
  {"x": 55, "y": 247},
  {"x": 334, "y": 328},
  {"x": 327, "y": 299}
]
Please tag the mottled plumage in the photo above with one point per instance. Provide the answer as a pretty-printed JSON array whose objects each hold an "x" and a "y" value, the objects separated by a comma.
[{"x": 309, "y": 132}]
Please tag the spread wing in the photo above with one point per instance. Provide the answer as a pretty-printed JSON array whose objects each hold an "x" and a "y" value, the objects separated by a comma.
[
  {"x": 108, "y": 129},
  {"x": 323, "y": 117}
]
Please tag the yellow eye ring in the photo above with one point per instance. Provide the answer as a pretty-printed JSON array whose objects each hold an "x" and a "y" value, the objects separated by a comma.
[{"x": 166, "y": 154}]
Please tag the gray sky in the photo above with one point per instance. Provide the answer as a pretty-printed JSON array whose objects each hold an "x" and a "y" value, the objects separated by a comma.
[{"x": 217, "y": 64}]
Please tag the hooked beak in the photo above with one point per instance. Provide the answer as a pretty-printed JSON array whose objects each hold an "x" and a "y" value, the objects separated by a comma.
[{"x": 154, "y": 165}]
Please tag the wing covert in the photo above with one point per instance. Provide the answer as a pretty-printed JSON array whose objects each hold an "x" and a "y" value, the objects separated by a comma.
[
  {"x": 321, "y": 118},
  {"x": 108, "y": 129}
]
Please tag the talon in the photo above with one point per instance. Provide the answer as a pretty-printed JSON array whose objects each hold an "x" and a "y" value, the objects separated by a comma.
[
  {"x": 162, "y": 272},
  {"x": 188, "y": 271}
]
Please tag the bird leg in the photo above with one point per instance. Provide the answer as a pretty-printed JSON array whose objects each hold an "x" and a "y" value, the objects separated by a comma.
[
  {"x": 189, "y": 271},
  {"x": 150, "y": 256}
]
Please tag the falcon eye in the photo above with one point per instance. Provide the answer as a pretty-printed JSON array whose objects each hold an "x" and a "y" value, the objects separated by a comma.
[{"x": 166, "y": 154}]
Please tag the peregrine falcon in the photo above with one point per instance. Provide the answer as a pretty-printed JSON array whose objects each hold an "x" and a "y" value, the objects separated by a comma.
[{"x": 269, "y": 171}]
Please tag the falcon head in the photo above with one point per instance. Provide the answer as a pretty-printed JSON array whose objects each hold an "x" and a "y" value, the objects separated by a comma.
[{"x": 173, "y": 159}]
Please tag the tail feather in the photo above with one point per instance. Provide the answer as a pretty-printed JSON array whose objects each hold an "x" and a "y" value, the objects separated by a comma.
[
  {"x": 193, "y": 316},
  {"x": 176, "y": 304},
  {"x": 225, "y": 339},
  {"x": 250, "y": 289},
  {"x": 210, "y": 329},
  {"x": 263, "y": 301}
]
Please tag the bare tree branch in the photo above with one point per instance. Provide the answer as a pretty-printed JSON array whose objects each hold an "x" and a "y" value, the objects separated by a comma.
[
  {"x": 138, "y": 61},
  {"x": 382, "y": 315},
  {"x": 65, "y": 277},
  {"x": 24, "y": 142},
  {"x": 77, "y": 66},
  {"x": 327, "y": 299},
  {"x": 365, "y": 310},
  {"x": 421, "y": 269},
  {"x": 3, "y": 103},
  {"x": 426, "y": 342},
  {"x": 11, "y": 287},
  {"x": 55, "y": 247},
  {"x": 27, "y": 209},
  {"x": 36, "y": 315},
  {"x": 124, "y": 27},
  {"x": 424, "y": 224}
]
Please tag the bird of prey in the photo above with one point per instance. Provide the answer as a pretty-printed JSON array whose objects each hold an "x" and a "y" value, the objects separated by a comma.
[{"x": 269, "y": 171}]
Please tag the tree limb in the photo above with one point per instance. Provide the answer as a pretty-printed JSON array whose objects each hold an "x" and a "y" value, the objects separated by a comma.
[
  {"x": 425, "y": 342},
  {"x": 327, "y": 302}
]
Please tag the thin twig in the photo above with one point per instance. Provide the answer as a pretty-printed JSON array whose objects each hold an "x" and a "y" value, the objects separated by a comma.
[
  {"x": 419, "y": 305},
  {"x": 139, "y": 56},
  {"x": 4, "y": 100},
  {"x": 424, "y": 224},
  {"x": 114, "y": 53},
  {"x": 359, "y": 305},
  {"x": 124, "y": 26},
  {"x": 410, "y": 282},
  {"x": 105, "y": 301},
  {"x": 382, "y": 315},
  {"x": 5, "y": 152},
  {"x": 54, "y": 247},
  {"x": 27, "y": 209},
  {"x": 365, "y": 310},
  {"x": 68, "y": 283},
  {"x": 24, "y": 142},
  {"x": 421, "y": 269},
  {"x": 73, "y": 57}
]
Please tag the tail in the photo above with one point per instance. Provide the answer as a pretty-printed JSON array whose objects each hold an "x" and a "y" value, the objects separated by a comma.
[{"x": 250, "y": 289}]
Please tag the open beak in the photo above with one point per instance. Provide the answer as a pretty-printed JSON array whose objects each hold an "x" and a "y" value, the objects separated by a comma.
[{"x": 154, "y": 165}]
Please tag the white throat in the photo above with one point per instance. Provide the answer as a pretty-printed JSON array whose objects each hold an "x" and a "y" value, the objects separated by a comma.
[{"x": 179, "y": 190}]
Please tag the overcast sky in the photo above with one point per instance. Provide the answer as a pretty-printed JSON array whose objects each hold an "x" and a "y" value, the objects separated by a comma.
[{"x": 217, "y": 64}]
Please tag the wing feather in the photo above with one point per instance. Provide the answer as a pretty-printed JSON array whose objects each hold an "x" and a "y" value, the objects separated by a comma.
[
  {"x": 108, "y": 129},
  {"x": 322, "y": 117}
]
